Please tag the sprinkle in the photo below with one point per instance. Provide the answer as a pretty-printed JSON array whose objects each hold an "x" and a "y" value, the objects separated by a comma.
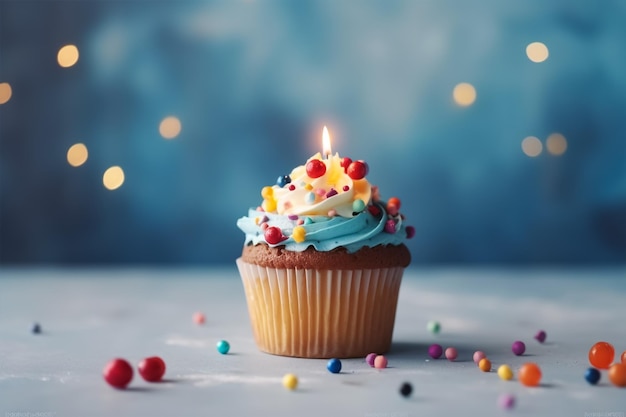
[
  {"x": 410, "y": 232},
  {"x": 451, "y": 354},
  {"x": 370, "y": 359},
  {"x": 331, "y": 193},
  {"x": 540, "y": 336},
  {"x": 332, "y": 213},
  {"x": 380, "y": 362},
  {"x": 484, "y": 365},
  {"x": 308, "y": 187},
  {"x": 321, "y": 192},
  {"x": 300, "y": 222},
  {"x": 390, "y": 226},
  {"x": 264, "y": 226},
  {"x": 293, "y": 217},
  {"x": 309, "y": 198},
  {"x": 434, "y": 327},
  {"x": 198, "y": 318},
  {"x": 529, "y": 374},
  {"x": 518, "y": 347},
  {"x": 392, "y": 210},
  {"x": 290, "y": 381},
  {"x": 299, "y": 234},
  {"x": 435, "y": 350},
  {"x": 308, "y": 220},
  {"x": 592, "y": 375},
  {"x": 346, "y": 188},
  {"x": 257, "y": 220},
  {"x": 223, "y": 347},
  {"x": 334, "y": 366},
  {"x": 358, "y": 205},
  {"x": 478, "y": 355},
  {"x": 406, "y": 389},
  {"x": 505, "y": 372},
  {"x": 292, "y": 187},
  {"x": 287, "y": 205},
  {"x": 374, "y": 210},
  {"x": 506, "y": 401}
]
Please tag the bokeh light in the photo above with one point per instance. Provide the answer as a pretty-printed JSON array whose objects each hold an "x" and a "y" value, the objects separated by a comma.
[
  {"x": 556, "y": 144},
  {"x": 77, "y": 154},
  {"x": 67, "y": 56},
  {"x": 113, "y": 178},
  {"x": 5, "y": 92},
  {"x": 537, "y": 52},
  {"x": 532, "y": 146},
  {"x": 464, "y": 94},
  {"x": 170, "y": 127}
]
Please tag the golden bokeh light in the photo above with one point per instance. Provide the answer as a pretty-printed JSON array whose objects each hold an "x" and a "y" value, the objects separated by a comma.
[
  {"x": 532, "y": 146},
  {"x": 5, "y": 92},
  {"x": 67, "y": 56},
  {"x": 170, "y": 127},
  {"x": 77, "y": 154},
  {"x": 537, "y": 52},
  {"x": 556, "y": 144},
  {"x": 464, "y": 94},
  {"x": 113, "y": 178}
]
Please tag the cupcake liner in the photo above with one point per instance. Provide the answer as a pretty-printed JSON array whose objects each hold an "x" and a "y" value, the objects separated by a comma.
[{"x": 312, "y": 313}]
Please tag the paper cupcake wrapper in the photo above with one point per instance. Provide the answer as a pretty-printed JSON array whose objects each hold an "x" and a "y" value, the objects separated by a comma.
[{"x": 320, "y": 313}]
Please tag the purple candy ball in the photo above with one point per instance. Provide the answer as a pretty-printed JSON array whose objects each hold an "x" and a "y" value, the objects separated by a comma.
[
  {"x": 370, "y": 359},
  {"x": 518, "y": 347},
  {"x": 435, "y": 351},
  {"x": 506, "y": 401},
  {"x": 541, "y": 336}
]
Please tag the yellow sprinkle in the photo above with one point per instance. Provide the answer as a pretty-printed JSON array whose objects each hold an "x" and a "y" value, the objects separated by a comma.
[
  {"x": 308, "y": 187},
  {"x": 505, "y": 372},
  {"x": 267, "y": 192},
  {"x": 299, "y": 234},
  {"x": 290, "y": 381}
]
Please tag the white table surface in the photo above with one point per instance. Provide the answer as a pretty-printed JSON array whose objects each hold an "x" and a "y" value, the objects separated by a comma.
[{"x": 91, "y": 316}]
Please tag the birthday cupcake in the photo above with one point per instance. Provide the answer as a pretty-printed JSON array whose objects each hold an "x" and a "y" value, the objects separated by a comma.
[{"x": 322, "y": 262}]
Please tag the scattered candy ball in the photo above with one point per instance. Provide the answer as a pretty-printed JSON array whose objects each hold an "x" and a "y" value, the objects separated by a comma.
[
  {"x": 505, "y": 372},
  {"x": 290, "y": 381},
  {"x": 36, "y": 329},
  {"x": 451, "y": 354},
  {"x": 223, "y": 347},
  {"x": 529, "y": 374},
  {"x": 152, "y": 369},
  {"x": 118, "y": 373},
  {"x": 370, "y": 359},
  {"x": 380, "y": 362},
  {"x": 478, "y": 355},
  {"x": 518, "y": 347},
  {"x": 434, "y": 327},
  {"x": 624, "y": 356},
  {"x": 334, "y": 366},
  {"x": 315, "y": 168},
  {"x": 485, "y": 365},
  {"x": 601, "y": 355},
  {"x": 592, "y": 375},
  {"x": 540, "y": 336},
  {"x": 506, "y": 401},
  {"x": 406, "y": 389},
  {"x": 273, "y": 235},
  {"x": 198, "y": 318},
  {"x": 435, "y": 351},
  {"x": 617, "y": 374}
]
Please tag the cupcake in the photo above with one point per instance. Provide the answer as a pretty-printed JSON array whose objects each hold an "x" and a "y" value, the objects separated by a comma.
[{"x": 322, "y": 262}]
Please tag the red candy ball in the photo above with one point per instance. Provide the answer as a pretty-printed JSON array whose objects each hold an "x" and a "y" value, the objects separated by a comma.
[
  {"x": 394, "y": 201},
  {"x": 357, "y": 170},
  {"x": 274, "y": 235},
  {"x": 345, "y": 163},
  {"x": 118, "y": 373},
  {"x": 601, "y": 355},
  {"x": 315, "y": 168},
  {"x": 152, "y": 369}
]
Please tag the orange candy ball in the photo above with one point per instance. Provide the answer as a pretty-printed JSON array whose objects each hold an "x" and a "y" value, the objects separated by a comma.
[
  {"x": 601, "y": 355},
  {"x": 624, "y": 356},
  {"x": 529, "y": 374},
  {"x": 484, "y": 365},
  {"x": 617, "y": 374}
]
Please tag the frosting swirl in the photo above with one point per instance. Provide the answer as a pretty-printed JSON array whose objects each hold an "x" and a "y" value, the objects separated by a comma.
[{"x": 326, "y": 203}]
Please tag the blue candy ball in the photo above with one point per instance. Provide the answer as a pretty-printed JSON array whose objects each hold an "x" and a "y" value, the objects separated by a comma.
[
  {"x": 334, "y": 365},
  {"x": 283, "y": 180},
  {"x": 592, "y": 375},
  {"x": 223, "y": 347}
]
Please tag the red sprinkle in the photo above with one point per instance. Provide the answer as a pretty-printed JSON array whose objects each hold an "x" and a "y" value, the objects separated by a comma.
[
  {"x": 292, "y": 187},
  {"x": 331, "y": 193},
  {"x": 346, "y": 187}
]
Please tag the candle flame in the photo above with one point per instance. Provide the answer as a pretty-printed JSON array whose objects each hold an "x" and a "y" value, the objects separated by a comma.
[{"x": 326, "y": 143}]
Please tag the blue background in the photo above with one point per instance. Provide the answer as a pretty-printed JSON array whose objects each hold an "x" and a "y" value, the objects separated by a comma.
[{"x": 253, "y": 82}]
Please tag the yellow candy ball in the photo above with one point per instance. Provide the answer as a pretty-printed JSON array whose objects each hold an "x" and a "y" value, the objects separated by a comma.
[
  {"x": 269, "y": 205},
  {"x": 505, "y": 372},
  {"x": 484, "y": 365},
  {"x": 267, "y": 192},
  {"x": 299, "y": 234},
  {"x": 290, "y": 381}
]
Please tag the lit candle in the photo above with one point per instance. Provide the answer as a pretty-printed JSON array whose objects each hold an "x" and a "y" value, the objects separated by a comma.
[{"x": 326, "y": 151}]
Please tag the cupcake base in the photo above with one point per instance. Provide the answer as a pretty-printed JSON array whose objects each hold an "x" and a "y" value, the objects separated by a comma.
[{"x": 313, "y": 313}]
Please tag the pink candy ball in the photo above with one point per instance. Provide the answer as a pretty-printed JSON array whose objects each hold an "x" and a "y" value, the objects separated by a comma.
[
  {"x": 380, "y": 362},
  {"x": 199, "y": 318},
  {"x": 451, "y": 353},
  {"x": 370, "y": 359},
  {"x": 478, "y": 355},
  {"x": 506, "y": 401}
]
